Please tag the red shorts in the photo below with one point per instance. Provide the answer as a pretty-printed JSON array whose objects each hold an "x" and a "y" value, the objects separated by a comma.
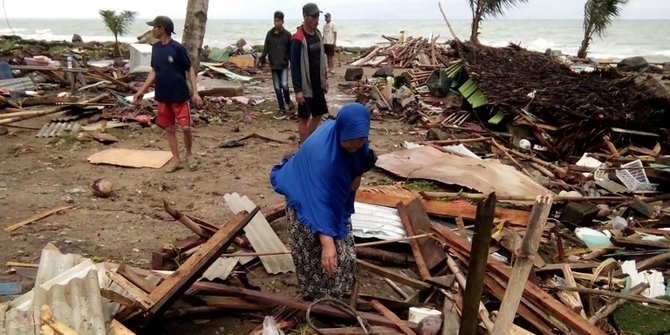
[{"x": 171, "y": 113}]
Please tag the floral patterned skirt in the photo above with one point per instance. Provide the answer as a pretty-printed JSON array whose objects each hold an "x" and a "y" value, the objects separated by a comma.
[{"x": 306, "y": 251}]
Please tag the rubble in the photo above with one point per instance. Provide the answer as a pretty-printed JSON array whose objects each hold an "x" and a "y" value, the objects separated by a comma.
[{"x": 549, "y": 210}]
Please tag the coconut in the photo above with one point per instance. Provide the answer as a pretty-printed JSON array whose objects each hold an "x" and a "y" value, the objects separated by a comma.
[{"x": 101, "y": 188}]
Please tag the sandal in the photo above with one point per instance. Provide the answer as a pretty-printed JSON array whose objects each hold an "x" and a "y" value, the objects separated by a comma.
[
  {"x": 192, "y": 164},
  {"x": 173, "y": 168}
]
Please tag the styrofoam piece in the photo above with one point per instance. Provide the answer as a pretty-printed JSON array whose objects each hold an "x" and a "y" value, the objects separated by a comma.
[{"x": 652, "y": 277}]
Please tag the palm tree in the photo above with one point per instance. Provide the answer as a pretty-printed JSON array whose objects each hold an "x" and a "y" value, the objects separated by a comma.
[
  {"x": 483, "y": 8},
  {"x": 117, "y": 24},
  {"x": 194, "y": 29},
  {"x": 598, "y": 14}
]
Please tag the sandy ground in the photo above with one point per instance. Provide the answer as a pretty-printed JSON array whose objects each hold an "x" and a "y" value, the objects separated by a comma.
[{"x": 40, "y": 174}]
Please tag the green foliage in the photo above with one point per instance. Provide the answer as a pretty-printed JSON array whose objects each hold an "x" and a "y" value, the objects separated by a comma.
[
  {"x": 421, "y": 185},
  {"x": 634, "y": 318}
]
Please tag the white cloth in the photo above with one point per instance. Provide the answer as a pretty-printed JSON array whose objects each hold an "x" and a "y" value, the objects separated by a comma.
[{"x": 329, "y": 31}]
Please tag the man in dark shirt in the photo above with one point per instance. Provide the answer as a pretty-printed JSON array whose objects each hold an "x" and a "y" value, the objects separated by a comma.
[
  {"x": 278, "y": 46},
  {"x": 308, "y": 71},
  {"x": 169, "y": 64}
]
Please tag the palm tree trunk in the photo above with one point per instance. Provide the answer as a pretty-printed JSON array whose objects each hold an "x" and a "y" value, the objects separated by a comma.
[
  {"x": 117, "y": 49},
  {"x": 478, "y": 13},
  {"x": 588, "y": 32},
  {"x": 194, "y": 29}
]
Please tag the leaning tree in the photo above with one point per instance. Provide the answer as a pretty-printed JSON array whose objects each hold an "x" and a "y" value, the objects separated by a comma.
[
  {"x": 481, "y": 9},
  {"x": 598, "y": 14},
  {"x": 117, "y": 24}
]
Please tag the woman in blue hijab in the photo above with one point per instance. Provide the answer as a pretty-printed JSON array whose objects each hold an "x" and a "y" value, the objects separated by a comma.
[{"x": 320, "y": 183}]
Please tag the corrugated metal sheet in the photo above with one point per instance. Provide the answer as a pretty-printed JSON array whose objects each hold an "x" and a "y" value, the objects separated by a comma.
[
  {"x": 18, "y": 84},
  {"x": 70, "y": 284},
  {"x": 57, "y": 129},
  {"x": 261, "y": 236},
  {"x": 372, "y": 221}
]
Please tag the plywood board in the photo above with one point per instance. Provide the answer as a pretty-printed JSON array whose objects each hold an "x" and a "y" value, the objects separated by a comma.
[
  {"x": 484, "y": 176},
  {"x": 131, "y": 158}
]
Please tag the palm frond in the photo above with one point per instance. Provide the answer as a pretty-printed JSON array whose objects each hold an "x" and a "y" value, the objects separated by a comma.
[
  {"x": 497, "y": 7},
  {"x": 598, "y": 14},
  {"x": 117, "y": 24}
]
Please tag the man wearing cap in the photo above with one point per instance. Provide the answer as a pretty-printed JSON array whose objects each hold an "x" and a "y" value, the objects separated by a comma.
[
  {"x": 169, "y": 64},
  {"x": 278, "y": 47},
  {"x": 329, "y": 41},
  {"x": 308, "y": 72}
]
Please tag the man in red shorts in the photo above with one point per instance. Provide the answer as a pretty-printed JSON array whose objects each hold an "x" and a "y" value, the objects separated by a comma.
[{"x": 169, "y": 64}]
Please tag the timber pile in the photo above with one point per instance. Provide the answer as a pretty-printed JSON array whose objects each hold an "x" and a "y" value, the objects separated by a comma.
[
  {"x": 581, "y": 108},
  {"x": 413, "y": 52}
]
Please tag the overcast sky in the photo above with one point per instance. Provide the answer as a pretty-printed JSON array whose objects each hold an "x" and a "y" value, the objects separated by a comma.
[{"x": 341, "y": 9}]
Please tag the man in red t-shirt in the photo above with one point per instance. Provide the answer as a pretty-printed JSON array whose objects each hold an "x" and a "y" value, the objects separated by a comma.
[{"x": 169, "y": 64}]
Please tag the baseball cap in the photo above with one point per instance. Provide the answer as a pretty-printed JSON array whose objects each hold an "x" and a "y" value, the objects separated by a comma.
[
  {"x": 164, "y": 22},
  {"x": 310, "y": 9}
]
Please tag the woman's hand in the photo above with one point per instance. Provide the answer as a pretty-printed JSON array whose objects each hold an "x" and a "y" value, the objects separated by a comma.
[{"x": 328, "y": 253}]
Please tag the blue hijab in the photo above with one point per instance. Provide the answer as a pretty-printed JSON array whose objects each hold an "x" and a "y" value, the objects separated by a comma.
[{"x": 317, "y": 180}]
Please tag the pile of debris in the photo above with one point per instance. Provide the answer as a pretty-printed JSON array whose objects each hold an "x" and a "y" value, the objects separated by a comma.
[
  {"x": 576, "y": 110},
  {"x": 408, "y": 52}
]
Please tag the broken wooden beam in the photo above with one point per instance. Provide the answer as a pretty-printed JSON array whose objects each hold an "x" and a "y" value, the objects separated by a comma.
[
  {"x": 477, "y": 267},
  {"x": 276, "y": 299},
  {"x": 424, "y": 272},
  {"x": 619, "y": 295},
  {"x": 450, "y": 209},
  {"x": 391, "y": 316},
  {"x": 534, "y": 296},
  {"x": 185, "y": 220},
  {"x": 172, "y": 287},
  {"x": 380, "y": 271},
  {"x": 522, "y": 265}
]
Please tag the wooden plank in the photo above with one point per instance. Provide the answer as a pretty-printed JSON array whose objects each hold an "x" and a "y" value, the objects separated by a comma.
[
  {"x": 36, "y": 217},
  {"x": 116, "y": 297},
  {"x": 135, "y": 292},
  {"x": 416, "y": 249},
  {"x": 232, "y": 303},
  {"x": 47, "y": 317},
  {"x": 172, "y": 287},
  {"x": 136, "y": 279},
  {"x": 570, "y": 280},
  {"x": 433, "y": 253},
  {"x": 391, "y": 316},
  {"x": 377, "y": 330},
  {"x": 533, "y": 293},
  {"x": 117, "y": 328},
  {"x": 449, "y": 209},
  {"x": 290, "y": 302},
  {"x": 522, "y": 265},
  {"x": 396, "y": 277},
  {"x": 633, "y": 243},
  {"x": 477, "y": 268}
]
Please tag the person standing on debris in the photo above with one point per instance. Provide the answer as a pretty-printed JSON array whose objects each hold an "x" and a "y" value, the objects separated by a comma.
[
  {"x": 278, "y": 47},
  {"x": 308, "y": 72},
  {"x": 329, "y": 41},
  {"x": 169, "y": 64},
  {"x": 319, "y": 183}
]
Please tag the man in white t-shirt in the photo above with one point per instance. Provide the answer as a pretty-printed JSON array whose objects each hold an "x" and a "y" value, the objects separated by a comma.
[{"x": 329, "y": 41}]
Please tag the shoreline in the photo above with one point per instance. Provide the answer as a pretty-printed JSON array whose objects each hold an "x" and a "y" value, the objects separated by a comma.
[{"x": 109, "y": 45}]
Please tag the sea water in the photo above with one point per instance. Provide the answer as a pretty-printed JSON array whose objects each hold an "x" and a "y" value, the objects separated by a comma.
[{"x": 624, "y": 38}]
